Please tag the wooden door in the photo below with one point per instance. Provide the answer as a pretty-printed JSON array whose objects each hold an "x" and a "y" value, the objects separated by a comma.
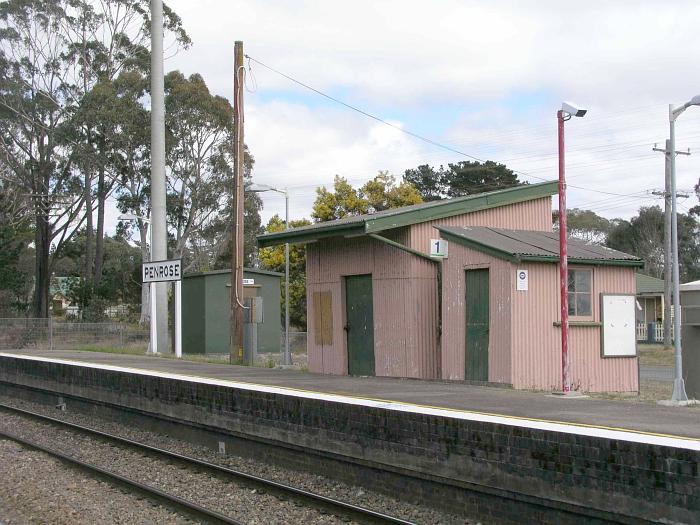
[
  {"x": 476, "y": 363},
  {"x": 359, "y": 325}
]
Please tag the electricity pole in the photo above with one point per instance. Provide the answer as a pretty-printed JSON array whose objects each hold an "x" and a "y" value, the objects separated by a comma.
[
  {"x": 158, "y": 225},
  {"x": 237, "y": 233},
  {"x": 668, "y": 280}
]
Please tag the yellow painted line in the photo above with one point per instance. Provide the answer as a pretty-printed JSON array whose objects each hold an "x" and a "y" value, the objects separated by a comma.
[{"x": 456, "y": 410}]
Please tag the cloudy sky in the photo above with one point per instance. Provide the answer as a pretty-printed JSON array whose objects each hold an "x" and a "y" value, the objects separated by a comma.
[{"x": 485, "y": 78}]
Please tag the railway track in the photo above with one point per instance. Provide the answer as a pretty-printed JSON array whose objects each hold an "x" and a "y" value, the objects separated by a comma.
[{"x": 184, "y": 506}]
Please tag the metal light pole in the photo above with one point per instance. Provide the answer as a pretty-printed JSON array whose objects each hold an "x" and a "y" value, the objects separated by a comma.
[
  {"x": 159, "y": 248},
  {"x": 260, "y": 188},
  {"x": 153, "y": 347},
  {"x": 568, "y": 109},
  {"x": 679, "y": 393}
]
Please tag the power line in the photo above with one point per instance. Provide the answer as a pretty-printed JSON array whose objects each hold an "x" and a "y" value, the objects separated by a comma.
[
  {"x": 378, "y": 119},
  {"x": 366, "y": 114},
  {"x": 407, "y": 132}
]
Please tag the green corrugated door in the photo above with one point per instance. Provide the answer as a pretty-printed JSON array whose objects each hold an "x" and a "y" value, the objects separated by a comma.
[
  {"x": 359, "y": 325},
  {"x": 476, "y": 363}
]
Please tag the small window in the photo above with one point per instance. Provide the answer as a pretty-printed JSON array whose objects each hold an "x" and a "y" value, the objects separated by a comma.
[{"x": 580, "y": 293}]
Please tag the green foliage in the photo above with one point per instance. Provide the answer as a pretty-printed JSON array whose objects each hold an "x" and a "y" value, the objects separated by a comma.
[
  {"x": 460, "y": 179},
  {"x": 643, "y": 236},
  {"x": 378, "y": 194},
  {"x": 201, "y": 157},
  {"x": 15, "y": 278},
  {"x": 383, "y": 193},
  {"x": 120, "y": 284},
  {"x": 344, "y": 200},
  {"x": 273, "y": 259},
  {"x": 62, "y": 114},
  {"x": 585, "y": 225}
]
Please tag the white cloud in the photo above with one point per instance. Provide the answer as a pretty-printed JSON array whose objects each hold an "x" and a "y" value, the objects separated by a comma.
[{"x": 493, "y": 66}]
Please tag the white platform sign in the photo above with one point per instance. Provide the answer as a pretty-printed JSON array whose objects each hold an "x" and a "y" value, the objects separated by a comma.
[
  {"x": 521, "y": 280},
  {"x": 438, "y": 248},
  {"x": 617, "y": 316},
  {"x": 248, "y": 282},
  {"x": 158, "y": 271}
]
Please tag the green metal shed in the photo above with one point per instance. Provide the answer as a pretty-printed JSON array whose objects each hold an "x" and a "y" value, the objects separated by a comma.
[{"x": 206, "y": 310}]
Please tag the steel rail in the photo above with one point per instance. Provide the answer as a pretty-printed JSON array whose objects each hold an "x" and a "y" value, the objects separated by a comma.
[
  {"x": 361, "y": 514},
  {"x": 189, "y": 508}
]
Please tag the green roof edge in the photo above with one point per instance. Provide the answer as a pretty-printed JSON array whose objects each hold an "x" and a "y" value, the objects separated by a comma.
[
  {"x": 398, "y": 218},
  {"x": 452, "y": 207},
  {"x": 479, "y": 246}
]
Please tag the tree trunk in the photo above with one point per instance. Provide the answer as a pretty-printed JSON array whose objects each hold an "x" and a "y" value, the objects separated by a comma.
[
  {"x": 87, "y": 270},
  {"x": 145, "y": 289},
  {"x": 99, "y": 238},
  {"x": 42, "y": 242}
]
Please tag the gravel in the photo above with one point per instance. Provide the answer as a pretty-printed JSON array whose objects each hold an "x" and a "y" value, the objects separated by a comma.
[
  {"x": 245, "y": 504},
  {"x": 36, "y": 488}
]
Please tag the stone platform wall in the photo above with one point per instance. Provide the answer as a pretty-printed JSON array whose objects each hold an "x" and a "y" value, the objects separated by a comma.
[{"x": 601, "y": 478}]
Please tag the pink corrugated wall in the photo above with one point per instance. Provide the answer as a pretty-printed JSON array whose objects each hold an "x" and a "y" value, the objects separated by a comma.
[
  {"x": 524, "y": 344},
  {"x": 536, "y": 342},
  {"x": 405, "y": 307},
  {"x": 404, "y": 292},
  {"x": 531, "y": 215},
  {"x": 454, "y": 314}
]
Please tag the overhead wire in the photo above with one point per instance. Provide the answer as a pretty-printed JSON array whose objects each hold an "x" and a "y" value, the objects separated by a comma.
[{"x": 413, "y": 134}]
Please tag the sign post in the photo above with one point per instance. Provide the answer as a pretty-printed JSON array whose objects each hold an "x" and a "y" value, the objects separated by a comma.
[{"x": 165, "y": 271}]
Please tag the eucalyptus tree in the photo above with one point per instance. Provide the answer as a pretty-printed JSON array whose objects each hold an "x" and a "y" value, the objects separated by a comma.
[
  {"x": 109, "y": 44},
  {"x": 60, "y": 113},
  {"x": 37, "y": 102},
  {"x": 199, "y": 156}
]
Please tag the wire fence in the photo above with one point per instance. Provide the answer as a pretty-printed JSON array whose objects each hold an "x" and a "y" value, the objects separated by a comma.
[
  {"x": 297, "y": 343},
  {"x": 47, "y": 334}
]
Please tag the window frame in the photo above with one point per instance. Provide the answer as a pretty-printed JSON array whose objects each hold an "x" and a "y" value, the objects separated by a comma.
[{"x": 577, "y": 316}]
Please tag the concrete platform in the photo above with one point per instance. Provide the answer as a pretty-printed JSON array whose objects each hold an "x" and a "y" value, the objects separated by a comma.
[{"x": 630, "y": 416}]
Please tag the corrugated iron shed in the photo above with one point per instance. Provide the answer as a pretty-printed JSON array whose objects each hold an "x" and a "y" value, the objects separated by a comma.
[{"x": 535, "y": 246}]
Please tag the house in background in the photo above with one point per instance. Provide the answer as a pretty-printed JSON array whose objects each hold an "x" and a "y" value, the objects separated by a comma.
[
  {"x": 650, "y": 298},
  {"x": 60, "y": 291}
]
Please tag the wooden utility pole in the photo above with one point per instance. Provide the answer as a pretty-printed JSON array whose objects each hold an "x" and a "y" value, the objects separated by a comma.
[
  {"x": 237, "y": 233},
  {"x": 668, "y": 284}
]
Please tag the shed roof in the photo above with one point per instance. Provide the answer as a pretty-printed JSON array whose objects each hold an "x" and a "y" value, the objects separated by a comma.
[
  {"x": 407, "y": 215},
  {"x": 228, "y": 270},
  {"x": 646, "y": 284},
  {"x": 534, "y": 246},
  {"x": 692, "y": 286}
]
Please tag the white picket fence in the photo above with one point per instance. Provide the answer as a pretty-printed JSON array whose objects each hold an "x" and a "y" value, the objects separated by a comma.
[{"x": 642, "y": 332}]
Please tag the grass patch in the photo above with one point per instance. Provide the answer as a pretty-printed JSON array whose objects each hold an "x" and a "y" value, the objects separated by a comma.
[
  {"x": 656, "y": 355},
  {"x": 649, "y": 392}
]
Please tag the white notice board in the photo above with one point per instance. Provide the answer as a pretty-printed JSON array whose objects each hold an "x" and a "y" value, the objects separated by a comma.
[{"x": 618, "y": 338}]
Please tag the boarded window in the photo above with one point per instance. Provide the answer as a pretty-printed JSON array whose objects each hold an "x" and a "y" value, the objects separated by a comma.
[{"x": 323, "y": 318}]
